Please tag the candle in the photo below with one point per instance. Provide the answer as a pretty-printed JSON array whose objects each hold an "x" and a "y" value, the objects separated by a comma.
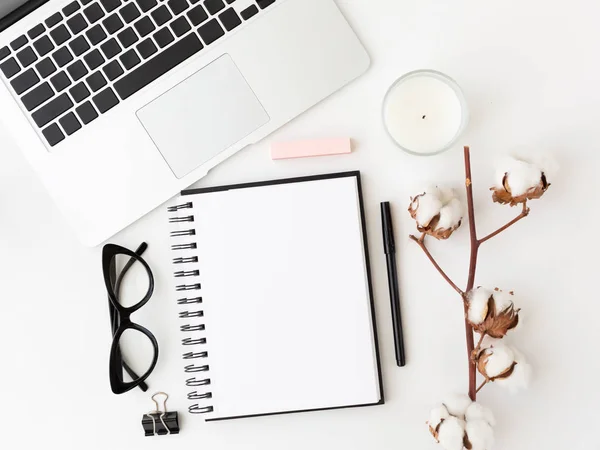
[{"x": 425, "y": 112}]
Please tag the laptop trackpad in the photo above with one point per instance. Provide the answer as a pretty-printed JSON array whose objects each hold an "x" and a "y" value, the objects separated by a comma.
[{"x": 203, "y": 115}]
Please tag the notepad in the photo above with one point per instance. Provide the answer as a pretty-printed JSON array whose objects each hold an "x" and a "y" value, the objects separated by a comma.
[{"x": 274, "y": 290}]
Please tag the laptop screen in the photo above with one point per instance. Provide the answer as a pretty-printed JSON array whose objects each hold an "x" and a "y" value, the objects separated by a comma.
[
  {"x": 11, "y": 11},
  {"x": 8, "y": 6}
]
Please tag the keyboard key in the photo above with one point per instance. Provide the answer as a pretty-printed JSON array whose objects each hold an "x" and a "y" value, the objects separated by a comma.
[
  {"x": 249, "y": 12},
  {"x": 230, "y": 19},
  {"x": 85, "y": 2},
  {"x": 96, "y": 81},
  {"x": 130, "y": 12},
  {"x": 27, "y": 57},
  {"x": 45, "y": 67},
  {"x": 163, "y": 37},
  {"x": 113, "y": 70},
  {"x": 110, "y": 48},
  {"x": 77, "y": 70},
  {"x": 229, "y": 2},
  {"x": 39, "y": 95},
  {"x": 180, "y": 26},
  {"x": 25, "y": 81},
  {"x": 53, "y": 135},
  {"x": 43, "y": 45},
  {"x": 144, "y": 26},
  {"x": 60, "y": 35},
  {"x": 18, "y": 42},
  {"x": 79, "y": 92},
  {"x": 60, "y": 81},
  {"x": 105, "y": 100},
  {"x": 146, "y": 5},
  {"x": 93, "y": 13},
  {"x": 178, "y": 6},
  {"x": 36, "y": 31},
  {"x": 62, "y": 56},
  {"x": 147, "y": 48},
  {"x": 71, "y": 8},
  {"x": 77, "y": 24},
  {"x": 86, "y": 113},
  {"x": 53, "y": 20},
  {"x": 113, "y": 23},
  {"x": 210, "y": 31},
  {"x": 158, "y": 66},
  {"x": 96, "y": 34},
  {"x": 79, "y": 46},
  {"x": 4, "y": 52},
  {"x": 214, "y": 6},
  {"x": 264, "y": 3},
  {"x": 197, "y": 15},
  {"x": 127, "y": 37},
  {"x": 94, "y": 59},
  {"x": 70, "y": 123},
  {"x": 110, "y": 5},
  {"x": 10, "y": 67},
  {"x": 130, "y": 59},
  {"x": 161, "y": 15},
  {"x": 52, "y": 110}
]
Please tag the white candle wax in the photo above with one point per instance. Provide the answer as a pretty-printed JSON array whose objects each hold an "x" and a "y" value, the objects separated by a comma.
[{"x": 424, "y": 112}]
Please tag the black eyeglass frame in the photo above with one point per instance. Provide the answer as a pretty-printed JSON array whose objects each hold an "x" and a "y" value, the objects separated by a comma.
[{"x": 123, "y": 314}]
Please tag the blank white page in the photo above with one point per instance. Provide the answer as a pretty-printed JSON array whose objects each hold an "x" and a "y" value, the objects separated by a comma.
[{"x": 285, "y": 291}]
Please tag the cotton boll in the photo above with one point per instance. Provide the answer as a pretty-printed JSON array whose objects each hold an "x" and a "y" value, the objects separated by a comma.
[
  {"x": 504, "y": 165},
  {"x": 522, "y": 176},
  {"x": 520, "y": 377},
  {"x": 457, "y": 404},
  {"x": 427, "y": 206},
  {"x": 480, "y": 434},
  {"x": 437, "y": 415},
  {"x": 546, "y": 161},
  {"x": 478, "y": 305},
  {"x": 445, "y": 194},
  {"x": 498, "y": 360},
  {"x": 438, "y": 212},
  {"x": 450, "y": 215},
  {"x": 452, "y": 433},
  {"x": 492, "y": 318},
  {"x": 503, "y": 300},
  {"x": 476, "y": 411},
  {"x": 519, "y": 181}
]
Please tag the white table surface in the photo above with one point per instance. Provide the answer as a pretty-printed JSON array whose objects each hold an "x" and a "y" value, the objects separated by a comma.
[{"x": 530, "y": 72}]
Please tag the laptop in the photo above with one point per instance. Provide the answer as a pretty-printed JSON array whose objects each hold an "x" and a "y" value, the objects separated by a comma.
[{"x": 120, "y": 104}]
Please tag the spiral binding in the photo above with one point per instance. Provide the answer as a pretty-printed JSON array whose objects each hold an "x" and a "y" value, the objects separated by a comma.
[
  {"x": 189, "y": 301},
  {"x": 192, "y": 274}
]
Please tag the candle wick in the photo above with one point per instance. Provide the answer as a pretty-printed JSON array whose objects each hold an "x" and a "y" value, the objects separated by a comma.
[{"x": 424, "y": 116}]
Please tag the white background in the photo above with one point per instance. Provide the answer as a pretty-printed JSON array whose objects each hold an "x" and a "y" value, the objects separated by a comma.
[{"x": 530, "y": 72}]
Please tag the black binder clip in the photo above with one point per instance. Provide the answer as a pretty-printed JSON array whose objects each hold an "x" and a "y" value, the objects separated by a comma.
[{"x": 159, "y": 422}]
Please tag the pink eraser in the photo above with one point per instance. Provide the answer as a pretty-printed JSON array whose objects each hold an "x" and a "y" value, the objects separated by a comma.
[{"x": 303, "y": 149}]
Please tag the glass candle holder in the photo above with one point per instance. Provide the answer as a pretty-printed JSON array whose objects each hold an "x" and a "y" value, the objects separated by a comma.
[{"x": 425, "y": 112}]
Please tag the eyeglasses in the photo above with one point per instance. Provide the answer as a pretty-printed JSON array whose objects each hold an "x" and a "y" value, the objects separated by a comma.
[{"x": 120, "y": 316}]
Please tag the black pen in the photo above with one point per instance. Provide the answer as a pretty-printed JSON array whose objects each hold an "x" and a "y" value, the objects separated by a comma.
[{"x": 389, "y": 247}]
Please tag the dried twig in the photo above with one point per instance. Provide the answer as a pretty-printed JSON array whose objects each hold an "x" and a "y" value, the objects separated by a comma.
[
  {"x": 472, "y": 271},
  {"x": 523, "y": 214},
  {"x": 421, "y": 243},
  {"x": 481, "y": 386}
]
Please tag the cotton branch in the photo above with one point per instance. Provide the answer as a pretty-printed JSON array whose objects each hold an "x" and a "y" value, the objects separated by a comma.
[
  {"x": 421, "y": 243},
  {"x": 432, "y": 227},
  {"x": 523, "y": 214},
  {"x": 472, "y": 271}
]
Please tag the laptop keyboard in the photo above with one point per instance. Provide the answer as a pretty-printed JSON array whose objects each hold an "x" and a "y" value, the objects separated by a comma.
[{"x": 81, "y": 62}]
